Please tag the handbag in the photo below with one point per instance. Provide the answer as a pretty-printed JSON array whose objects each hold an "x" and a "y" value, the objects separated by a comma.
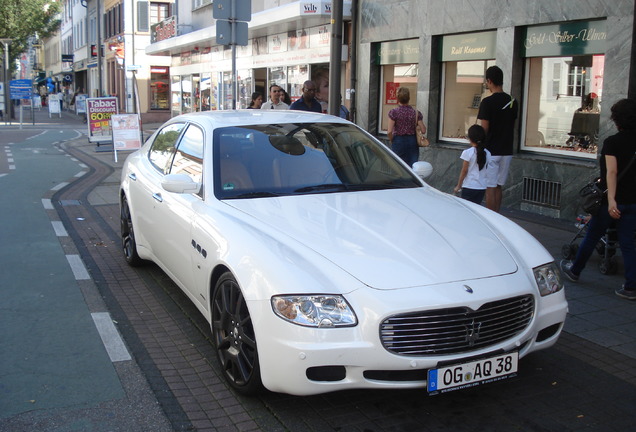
[
  {"x": 592, "y": 195},
  {"x": 422, "y": 141}
]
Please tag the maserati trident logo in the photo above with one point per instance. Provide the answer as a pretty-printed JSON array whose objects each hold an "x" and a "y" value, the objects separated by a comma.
[
  {"x": 468, "y": 289},
  {"x": 472, "y": 332}
]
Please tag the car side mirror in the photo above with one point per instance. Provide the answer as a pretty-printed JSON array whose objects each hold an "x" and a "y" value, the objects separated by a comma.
[
  {"x": 423, "y": 169},
  {"x": 180, "y": 183}
]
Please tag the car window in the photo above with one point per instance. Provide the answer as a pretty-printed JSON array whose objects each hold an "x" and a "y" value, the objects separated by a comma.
[
  {"x": 188, "y": 158},
  {"x": 163, "y": 147},
  {"x": 292, "y": 159}
]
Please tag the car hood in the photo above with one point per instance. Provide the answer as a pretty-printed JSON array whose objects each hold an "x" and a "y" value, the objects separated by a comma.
[{"x": 387, "y": 239}]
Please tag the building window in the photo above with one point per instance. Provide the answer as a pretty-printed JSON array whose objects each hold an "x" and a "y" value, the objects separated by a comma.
[
  {"x": 200, "y": 3},
  {"x": 463, "y": 89},
  {"x": 564, "y": 87},
  {"x": 465, "y": 58},
  {"x": 399, "y": 61},
  {"x": 159, "y": 12},
  {"x": 394, "y": 77},
  {"x": 159, "y": 88},
  {"x": 563, "y": 112}
]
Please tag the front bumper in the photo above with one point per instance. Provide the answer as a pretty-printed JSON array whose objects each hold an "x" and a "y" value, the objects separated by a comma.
[{"x": 304, "y": 361}]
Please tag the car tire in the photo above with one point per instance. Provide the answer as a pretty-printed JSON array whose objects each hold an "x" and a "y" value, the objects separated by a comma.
[
  {"x": 129, "y": 246},
  {"x": 234, "y": 338}
]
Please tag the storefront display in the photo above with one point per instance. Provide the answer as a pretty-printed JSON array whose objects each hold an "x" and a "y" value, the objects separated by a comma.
[
  {"x": 399, "y": 62},
  {"x": 159, "y": 88},
  {"x": 565, "y": 67},
  {"x": 465, "y": 58}
]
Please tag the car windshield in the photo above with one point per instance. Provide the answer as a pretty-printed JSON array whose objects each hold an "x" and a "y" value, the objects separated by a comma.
[{"x": 302, "y": 158}]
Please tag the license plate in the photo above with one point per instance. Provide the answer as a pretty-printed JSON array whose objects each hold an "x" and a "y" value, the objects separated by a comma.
[{"x": 474, "y": 373}]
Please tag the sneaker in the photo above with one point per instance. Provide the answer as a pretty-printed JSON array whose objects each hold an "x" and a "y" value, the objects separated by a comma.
[
  {"x": 566, "y": 268},
  {"x": 626, "y": 293}
]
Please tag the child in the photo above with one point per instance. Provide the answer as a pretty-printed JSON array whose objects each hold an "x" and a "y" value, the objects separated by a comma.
[{"x": 472, "y": 179}]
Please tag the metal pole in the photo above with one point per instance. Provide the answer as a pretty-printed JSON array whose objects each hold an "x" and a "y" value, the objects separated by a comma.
[
  {"x": 335, "y": 67},
  {"x": 233, "y": 43},
  {"x": 7, "y": 95},
  {"x": 99, "y": 50}
]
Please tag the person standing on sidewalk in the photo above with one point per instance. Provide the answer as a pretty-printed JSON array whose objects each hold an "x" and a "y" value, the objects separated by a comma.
[
  {"x": 616, "y": 157},
  {"x": 307, "y": 102},
  {"x": 275, "y": 99},
  {"x": 497, "y": 113},
  {"x": 402, "y": 129}
]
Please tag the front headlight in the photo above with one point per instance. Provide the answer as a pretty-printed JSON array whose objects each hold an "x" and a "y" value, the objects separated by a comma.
[
  {"x": 319, "y": 310},
  {"x": 548, "y": 279}
]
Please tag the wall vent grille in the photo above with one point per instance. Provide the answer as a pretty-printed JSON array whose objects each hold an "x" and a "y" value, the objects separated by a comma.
[{"x": 541, "y": 192}]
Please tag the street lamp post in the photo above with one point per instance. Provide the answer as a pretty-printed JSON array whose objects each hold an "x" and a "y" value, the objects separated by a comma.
[{"x": 7, "y": 101}]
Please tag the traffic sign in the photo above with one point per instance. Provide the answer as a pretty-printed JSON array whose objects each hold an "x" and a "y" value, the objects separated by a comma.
[
  {"x": 222, "y": 10},
  {"x": 21, "y": 88}
]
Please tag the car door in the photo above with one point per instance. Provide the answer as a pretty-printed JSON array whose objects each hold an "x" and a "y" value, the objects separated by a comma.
[
  {"x": 145, "y": 181},
  {"x": 174, "y": 243}
]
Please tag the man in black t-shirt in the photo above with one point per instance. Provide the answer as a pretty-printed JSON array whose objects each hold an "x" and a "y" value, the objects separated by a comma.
[{"x": 497, "y": 113}]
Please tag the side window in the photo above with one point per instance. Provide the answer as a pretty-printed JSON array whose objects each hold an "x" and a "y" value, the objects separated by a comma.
[
  {"x": 163, "y": 147},
  {"x": 189, "y": 155}
]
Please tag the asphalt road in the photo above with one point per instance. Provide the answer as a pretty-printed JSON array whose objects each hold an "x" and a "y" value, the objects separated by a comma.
[{"x": 56, "y": 374}]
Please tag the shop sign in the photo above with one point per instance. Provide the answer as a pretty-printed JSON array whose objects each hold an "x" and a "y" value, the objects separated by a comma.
[
  {"x": 469, "y": 46},
  {"x": 166, "y": 29},
  {"x": 399, "y": 52},
  {"x": 99, "y": 112},
  {"x": 565, "y": 39}
]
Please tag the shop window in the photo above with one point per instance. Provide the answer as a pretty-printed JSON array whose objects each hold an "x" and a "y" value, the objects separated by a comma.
[
  {"x": 563, "y": 104},
  {"x": 463, "y": 89},
  {"x": 175, "y": 90},
  {"x": 209, "y": 92},
  {"x": 159, "y": 88},
  {"x": 394, "y": 77},
  {"x": 186, "y": 94}
]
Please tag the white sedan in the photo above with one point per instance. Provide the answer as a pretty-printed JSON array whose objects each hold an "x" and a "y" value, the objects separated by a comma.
[{"x": 323, "y": 262}]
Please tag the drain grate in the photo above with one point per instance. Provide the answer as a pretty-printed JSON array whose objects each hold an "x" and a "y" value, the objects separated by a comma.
[{"x": 66, "y": 203}]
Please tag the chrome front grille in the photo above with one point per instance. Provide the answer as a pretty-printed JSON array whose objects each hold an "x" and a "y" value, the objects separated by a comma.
[{"x": 456, "y": 330}]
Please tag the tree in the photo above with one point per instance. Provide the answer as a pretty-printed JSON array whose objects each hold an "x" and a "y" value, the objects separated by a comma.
[{"x": 20, "y": 19}]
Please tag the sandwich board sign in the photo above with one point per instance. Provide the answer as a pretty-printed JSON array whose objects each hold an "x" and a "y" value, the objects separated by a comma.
[{"x": 99, "y": 111}]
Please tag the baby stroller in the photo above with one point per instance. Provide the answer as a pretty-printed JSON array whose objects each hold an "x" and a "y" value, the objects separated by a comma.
[{"x": 606, "y": 247}]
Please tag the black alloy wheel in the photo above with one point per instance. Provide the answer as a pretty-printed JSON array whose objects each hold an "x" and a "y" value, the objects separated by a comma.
[
  {"x": 128, "y": 236},
  {"x": 233, "y": 334}
]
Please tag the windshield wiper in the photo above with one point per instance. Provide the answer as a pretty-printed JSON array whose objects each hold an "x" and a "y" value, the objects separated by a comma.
[
  {"x": 334, "y": 187},
  {"x": 379, "y": 186},
  {"x": 260, "y": 194}
]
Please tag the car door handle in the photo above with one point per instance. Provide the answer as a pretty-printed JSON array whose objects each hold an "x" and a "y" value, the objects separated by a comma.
[
  {"x": 157, "y": 197},
  {"x": 132, "y": 176}
]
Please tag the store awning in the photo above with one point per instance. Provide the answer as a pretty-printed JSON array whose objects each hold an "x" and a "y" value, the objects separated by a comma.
[{"x": 292, "y": 16}]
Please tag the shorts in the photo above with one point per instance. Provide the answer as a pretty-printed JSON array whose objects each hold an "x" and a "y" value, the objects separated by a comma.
[{"x": 497, "y": 170}]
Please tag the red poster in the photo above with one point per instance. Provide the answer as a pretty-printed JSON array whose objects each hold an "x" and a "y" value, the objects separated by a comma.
[{"x": 391, "y": 93}]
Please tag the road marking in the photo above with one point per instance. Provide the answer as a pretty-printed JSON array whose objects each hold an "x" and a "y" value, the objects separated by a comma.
[
  {"x": 110, "y": 337},
  {"x": 80, "y": 174},
  {"x": 78, "y": 268},
  {"x": 60, "y": 186},
  {"x": 59, "y": 229},
  {"x": 48, "y": 205}
]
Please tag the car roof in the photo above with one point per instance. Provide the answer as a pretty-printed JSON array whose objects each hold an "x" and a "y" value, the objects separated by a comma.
[{"x": 228, "y": 118}]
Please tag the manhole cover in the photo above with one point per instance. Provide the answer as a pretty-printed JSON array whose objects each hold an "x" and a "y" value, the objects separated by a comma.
[{"x": 66, "y": 203}]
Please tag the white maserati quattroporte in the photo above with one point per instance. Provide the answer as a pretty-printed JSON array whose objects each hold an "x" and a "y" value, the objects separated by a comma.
[{"x": 323, "y": 262}]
